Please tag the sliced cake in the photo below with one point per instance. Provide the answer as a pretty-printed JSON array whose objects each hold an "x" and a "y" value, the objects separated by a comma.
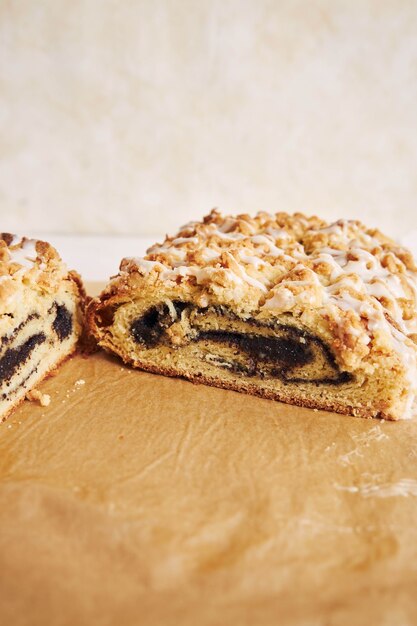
[
  {"x": 40, "y": 315},
  {"x": 284, "y": 306}
]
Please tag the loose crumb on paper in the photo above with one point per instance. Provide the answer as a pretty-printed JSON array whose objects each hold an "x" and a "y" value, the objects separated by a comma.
[
  {"x": 35, "y": 395},
  {"x": 78, "y": 383}
]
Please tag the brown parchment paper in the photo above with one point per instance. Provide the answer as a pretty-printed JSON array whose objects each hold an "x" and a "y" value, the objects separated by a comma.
[{"x": 138, "y": 499}]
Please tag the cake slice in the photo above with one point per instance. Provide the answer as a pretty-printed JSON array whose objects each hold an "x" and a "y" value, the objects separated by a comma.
[
  {"x": 40, "y": 315},
  {"x": 283, "y": 306}
]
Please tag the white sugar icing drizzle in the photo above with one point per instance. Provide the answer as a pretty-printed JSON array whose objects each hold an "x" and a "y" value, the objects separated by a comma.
[
  {"x": 26, "y": 254},
  {"x": 144, "y": 264},
  {"x": 209, "y": 254},
  {"x": 269, "y": 242}
]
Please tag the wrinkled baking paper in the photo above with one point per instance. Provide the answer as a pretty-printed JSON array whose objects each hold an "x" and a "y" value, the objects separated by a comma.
[{"x": 138, "y": 499}]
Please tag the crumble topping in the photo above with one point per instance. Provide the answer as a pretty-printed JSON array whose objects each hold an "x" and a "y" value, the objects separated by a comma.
[
  {"x": 44, "y": 399},
  {"x": 29, "y": 262},
  {"x": 292, "y": 261}
]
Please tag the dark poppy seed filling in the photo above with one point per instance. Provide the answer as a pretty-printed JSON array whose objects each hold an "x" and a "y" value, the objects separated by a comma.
[
  {"x": 13, "y": 358},
  {"x": 149, "y": 328},
  {"x": 21, "y": 384},
  {"x": 266, "y": 356},
  {"x": 62, "y": 323},
  {"x": 287, "y": 352},
  {"x": 7, "y": 339}
]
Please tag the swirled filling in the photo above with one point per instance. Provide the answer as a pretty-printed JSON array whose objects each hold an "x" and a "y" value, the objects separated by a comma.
[{"x": 247, "y": 347}]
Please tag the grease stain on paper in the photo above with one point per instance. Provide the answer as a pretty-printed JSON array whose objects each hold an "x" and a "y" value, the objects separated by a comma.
[
  {"x": 346, "y": 459},
  {"x": 404, "y": 487},
  {"x": 363, "y": 440},
  {"x": 374, "y": 434}
]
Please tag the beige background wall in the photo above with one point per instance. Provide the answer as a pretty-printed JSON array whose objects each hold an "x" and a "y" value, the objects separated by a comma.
[{"x": 133, "y": 116}]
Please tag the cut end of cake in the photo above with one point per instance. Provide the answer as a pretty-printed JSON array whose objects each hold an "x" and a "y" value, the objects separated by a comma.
[{"x": 41, "y": 317}]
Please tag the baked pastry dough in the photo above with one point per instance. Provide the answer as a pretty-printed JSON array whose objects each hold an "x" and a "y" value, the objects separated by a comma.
[
  {"x": 284, "y": 306},
  {"x": 40, "y": 315}
]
